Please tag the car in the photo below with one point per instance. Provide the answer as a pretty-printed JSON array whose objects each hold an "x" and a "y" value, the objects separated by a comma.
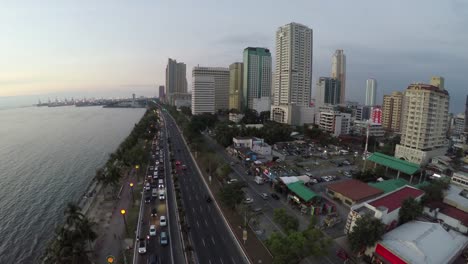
[
  {"x": 162, "y": 196},
  {"x": 151, "y": 168},
  {"x": 153, "y": 259},
  {"x": 154, "y": 212},
  {"x": 348, "y": 174},
  {"x": 161, "y": 186},
  {"x": 162, "y": 220},
  {"x": 248, "y": 200},
  {"x": 184, "y": 167},
  {"x": 147, "y": 186},
  {"x": 163, "y": 239},
  {"x": 307, "y": 169},
  {"x": 152, "y": 230},
  {"x": 313, "y": 180},
  {"x": 275, "y": 196},
  {"x": 157, "y": 162},
  {"x": 147, "y": 198},
  {"x": 264, "y": 196},
  {"x": 257, "y": 210},
  {"x": 142, "y": 246},
  {"x": 231, "y": 181},
  {"x": 208, "y": 199},
  {"x": 177, "y": 163}
]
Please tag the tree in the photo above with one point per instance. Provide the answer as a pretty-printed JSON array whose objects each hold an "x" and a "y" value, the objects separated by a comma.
[
  {"x": 367, "y": 231},
  {"x": 224, "y": 134},
  {"x": 410, "y": 209},
  {"x": 264, "y": 116},
  {"x": 250, "y": 117},
  {"x": 223, "y": 171},
  {"x": 287, "y": 222},
  {"x": 435, "y": 191},
  {"x": 365, "y": 176},
  {"x": 186, "y": 110},
  {"x": 232, "y": 195}
]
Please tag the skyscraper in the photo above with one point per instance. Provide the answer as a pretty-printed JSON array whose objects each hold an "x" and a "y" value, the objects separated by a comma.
[
  {"x": 176, "y": 80},
  {"x": 391, "y": 111},
  {"x": 293, "y": 71},
  {"x": 371, "y": 91},
  {"x": 424, "y": 123},
  {"x": 203, "y": 94},
  {"x": 328, "y": 91},
  {"x": 161, "y": 92},
  {"x": 221, "y": 84},
  {"x": 236, "y": 71},
  {"x": 257, "y": 79},
  {"x": 339, "y": 72}
]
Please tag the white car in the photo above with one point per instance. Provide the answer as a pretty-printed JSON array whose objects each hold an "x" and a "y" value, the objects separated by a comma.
[
  {"x": 264, "y": 196},
  {"x": 142, "y": 246},
  {"x": 248, "y": 200},
  {"x": 231, "y": 181},
  {"x": 162, "y": 196},
  {"x": 152, "y": 230},
  {"x": 162, "y": 221},
  {"x": 147, "y": 186}
]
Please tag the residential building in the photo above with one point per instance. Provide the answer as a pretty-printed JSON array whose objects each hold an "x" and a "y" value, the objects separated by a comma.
[
  {"x": 221, "y": 84},
  {"x": 328, "y": 91},
  {"x": 424, "y": 123},
  {"x": 363, "y": 112},
  {"x": 461, "y": 179},
  {"x": 438, "y": 81},
  {"x": 466, "y": 115},
  {"x": 236, "y": 118},
  {"x": 176, "y": 80},
  {"x": 339, "y": 72},
  {"x": 161, "y": 92},
  {"x": 246, "y": 142},
  {"x": 236, "y": 72},
  {"x": 385, "y": 207},
  {"x": 187, "y": 102},
  {"x": 458, "y": 124},
  {"x": 257, "y": 79},
  {"x": 293, "y": 72},
  {"x": 371, "y": 92},
  {"x": 335, "y": 122},
  {"x": 419, "y": 242},
  {"x": 203, "y": 95},
  {"x": 391, "y": 111},
  {"x": 352, "y": 192},
  {"x": 449, "y": 215},
  {"x": 359, "y": 128}
]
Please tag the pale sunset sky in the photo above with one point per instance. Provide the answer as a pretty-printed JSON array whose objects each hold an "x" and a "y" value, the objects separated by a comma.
[{"x": 116, "y": 47}]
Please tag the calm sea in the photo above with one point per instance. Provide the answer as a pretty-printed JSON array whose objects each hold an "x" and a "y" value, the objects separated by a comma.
[{"x": 48, "y": 156}]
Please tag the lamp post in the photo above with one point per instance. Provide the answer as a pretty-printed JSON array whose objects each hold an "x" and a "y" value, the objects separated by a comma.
[
  {"x": 125, "y": 220},
  {"x": 131, "y": 189},
  {"x": 136, "y": 168}
]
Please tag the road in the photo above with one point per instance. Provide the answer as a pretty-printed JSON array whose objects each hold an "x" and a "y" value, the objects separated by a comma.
[
  {"x": 212, "y": 240},
  {"x": 270, "y": 204},
  {"x": 173, "y": 253}
]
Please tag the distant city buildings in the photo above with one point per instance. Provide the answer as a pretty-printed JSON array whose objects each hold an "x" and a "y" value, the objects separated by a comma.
[
  {"x": 458, "y": 124},
  {"x": 424, "y": 123},
  {"x": 466, "y": 115},
  {"x": 391, "y": 111},
  {"x": 203, "y": 94},
  {"x": 176, "y": 80},
  {"x": 339, "y": 72},
  {"x": 328, "y": 91},
  {"x": 221, "y": 84},
  {"x": 293, "y": 73},
  {"x": 236, "y": 72},
  {"x": 257, "y": 79},
  {"x": 334, "y": 122},
  {"x": 371, "y": 91},
  {"x": 161, "y": 92}
]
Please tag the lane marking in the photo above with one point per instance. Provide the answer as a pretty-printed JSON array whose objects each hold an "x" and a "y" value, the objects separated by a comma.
[
  {"x": 212, "y": 239},
  {"x": 198, "y": 224},
  {"x": 206, "y": 222},
  {"x": 222, "y": 262},
  {"x": 203, "y": 240},
  {"x": 233, "y": 261}
]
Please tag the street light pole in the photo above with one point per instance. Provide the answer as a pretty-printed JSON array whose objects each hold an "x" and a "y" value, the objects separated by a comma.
[
  {"x": 125, "y": 220},
  {"x": 133, "y": 197}
]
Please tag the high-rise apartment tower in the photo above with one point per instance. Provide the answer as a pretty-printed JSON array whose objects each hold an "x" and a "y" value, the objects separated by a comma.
[{"x": 339, "y": 72}]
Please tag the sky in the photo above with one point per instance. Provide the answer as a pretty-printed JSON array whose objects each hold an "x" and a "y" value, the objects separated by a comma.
[{"x": 117, "y": 47}]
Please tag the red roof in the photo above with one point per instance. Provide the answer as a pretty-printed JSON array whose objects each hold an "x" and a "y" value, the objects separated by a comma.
[
  {"x": 450, "y": 211},
  {"x": 354, "y": 189},
  {"x": 393, "y": 200}
]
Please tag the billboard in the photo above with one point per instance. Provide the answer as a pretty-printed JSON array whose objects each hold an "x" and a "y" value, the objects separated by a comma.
[{"x": 376, "y": 115}]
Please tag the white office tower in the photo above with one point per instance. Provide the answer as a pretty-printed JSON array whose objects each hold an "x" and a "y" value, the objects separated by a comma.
[
  {"x": 203, "y": 95},
  {"x": 339, "y": 72},
  {"x": 424, "y": 123},
  {"x": 371, "y": 92},
  {"x": 293, "y": 73},
  {"x": 221, "y": 84}
]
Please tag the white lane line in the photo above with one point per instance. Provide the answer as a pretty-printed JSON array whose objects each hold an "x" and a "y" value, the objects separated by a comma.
[
  {"x": 196, "y": 197},
  {"x": 193, "y": 209},
  {"x": 233, "y": 261},
  {"x": 198, "y": 224},
  {"x": 201, "y": 208},
  {"x": 206, "y": 222},
  {"x": 212, "y": 239},
  {"x": 209, "y": 261},
  {"x": 222, "y": 262},
  {"x": 203, "y": 240}
]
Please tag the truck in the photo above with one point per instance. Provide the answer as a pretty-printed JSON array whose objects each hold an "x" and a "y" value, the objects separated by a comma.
[{"x": 258, "y": 180}]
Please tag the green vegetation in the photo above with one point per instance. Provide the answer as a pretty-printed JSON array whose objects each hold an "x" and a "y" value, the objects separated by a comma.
[
  {"x": 287, "y": 222},
  {"x": 293, "y": 247},
  {"x": 365, "y": 176},
  {"x": 315, "y": 133},
  {"x": 232, "y": 195},
  {"x": 435, "y": 191},
  {"x": 410, "y": 210},
  {"x": 367, "y": 231},
  {"x": 72, "y": 243}
]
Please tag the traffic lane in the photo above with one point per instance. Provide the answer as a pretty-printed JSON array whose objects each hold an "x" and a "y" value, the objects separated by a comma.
[{"x": 216, "y": 233}]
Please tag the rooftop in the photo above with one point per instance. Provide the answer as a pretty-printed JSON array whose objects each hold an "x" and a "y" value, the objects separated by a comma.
[
  {"x": 422, "y": 242},
  {"x": 354, "y": 189},
  {"x": 305, "y": 193},
  {"x": 450, "y": 211},
  {"x": 393, "y": 200},
  {"x": 394, "y": 163},
  {"x": 394, "y": 184}
]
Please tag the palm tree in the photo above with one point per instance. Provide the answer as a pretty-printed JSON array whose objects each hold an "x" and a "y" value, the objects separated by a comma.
[{"x": 73, "y": 215}]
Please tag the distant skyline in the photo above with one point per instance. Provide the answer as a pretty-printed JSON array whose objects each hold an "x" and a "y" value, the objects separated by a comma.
[{"x": 116, "y": 47}]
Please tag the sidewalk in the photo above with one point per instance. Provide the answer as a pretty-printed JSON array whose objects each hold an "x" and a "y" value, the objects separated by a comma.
[{"x": 110, "y": 225}]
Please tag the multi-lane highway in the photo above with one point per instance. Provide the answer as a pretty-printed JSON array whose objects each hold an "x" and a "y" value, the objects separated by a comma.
[
  {"x": 173, "y": 252},
  {"x": 213, "y": 241}
]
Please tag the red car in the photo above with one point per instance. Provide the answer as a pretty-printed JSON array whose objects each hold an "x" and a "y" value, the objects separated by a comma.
[{"x": 177, "y": 162}]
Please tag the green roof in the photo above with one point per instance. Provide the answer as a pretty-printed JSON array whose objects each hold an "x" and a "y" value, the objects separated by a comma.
[
  {"x": 393, "y": 184},
  {"x": 300, "y": 190},
  {"x": 394, "y": 163}
]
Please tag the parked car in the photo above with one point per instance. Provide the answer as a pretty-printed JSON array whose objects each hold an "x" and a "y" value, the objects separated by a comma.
[
  {"x": 264, "y": 196},
  {"x": 142, "y": 246},
  {"x": 348, "y": 174},
  {"x": 248, "y": 200},
  {"x": 231, "y": 181},
  {"x": 152, "y": 230},
  {"x": 162, "y": 220},
  {"x": 274, "y": 196}
]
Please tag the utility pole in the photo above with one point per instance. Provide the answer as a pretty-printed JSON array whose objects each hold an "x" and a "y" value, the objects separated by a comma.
[{"x": 365, "y": 148}]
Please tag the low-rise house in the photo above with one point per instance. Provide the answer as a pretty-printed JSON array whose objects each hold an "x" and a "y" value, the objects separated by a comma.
[{"x": 352, "y": 192}]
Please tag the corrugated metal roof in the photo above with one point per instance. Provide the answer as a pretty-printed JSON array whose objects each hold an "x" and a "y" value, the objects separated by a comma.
[
  {"x": 354, "y": 190},
  {"x": 298, "y": 188},
  {"x": 394, "y": 163},
  {"x": 394, "y": 200}
]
